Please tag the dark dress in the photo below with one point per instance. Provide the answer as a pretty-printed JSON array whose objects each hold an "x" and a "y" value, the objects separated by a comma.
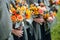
[{"x": 45, "y": 31}]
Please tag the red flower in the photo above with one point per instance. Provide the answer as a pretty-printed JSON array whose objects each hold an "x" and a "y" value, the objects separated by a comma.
[{"x": 40, "y": 11}]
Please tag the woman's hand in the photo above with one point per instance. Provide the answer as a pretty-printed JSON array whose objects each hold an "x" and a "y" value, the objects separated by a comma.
[
  {"x": 39, "y": 20},
  {"x": 18, "y": 33}
]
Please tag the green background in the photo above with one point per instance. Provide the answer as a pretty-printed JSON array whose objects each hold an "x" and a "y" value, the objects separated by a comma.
[{"x": 55, "y": 30}]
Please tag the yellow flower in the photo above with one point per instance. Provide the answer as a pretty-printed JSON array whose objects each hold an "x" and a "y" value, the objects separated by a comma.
[
  {"x": 31, "y": 8},
  {"x": 21, "y": 12},
  {"x": 11, "y": 5},
  {"x": 34, "y": 8},
  {"x": 12, "y": 9},
  {"x": 36, "y": 12},
  {"x": 18, "y": 1},
  {"x": 18, "y": 8},
  {"x": 39, "y": 7},
  {"x": 23, "y": 8},
  {"x": 28, "y": 14},
  {"x": 31, "y": 5}
]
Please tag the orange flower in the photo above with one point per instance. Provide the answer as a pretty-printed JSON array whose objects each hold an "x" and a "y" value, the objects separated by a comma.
[
  {"x": 54, "y": 13},
  {"x": 13, "y": 18},
  {"x": 46, "y": 16},
  {"x": 14, "y": 12},
  {"x": 50, "y": 19},
  {"x": 36, "y": 12},
  {"x": 58, "y": 2},
  {"x": 20, "y": 18}
]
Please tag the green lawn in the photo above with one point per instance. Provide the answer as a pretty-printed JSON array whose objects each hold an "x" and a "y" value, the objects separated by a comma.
[{"x": 55, "y": 31}]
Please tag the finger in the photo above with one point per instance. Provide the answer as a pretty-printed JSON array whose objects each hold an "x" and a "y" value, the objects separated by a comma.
[
  {"x": 21, "y": 32},
  {"x": 20, "y": 35},
  {"x": 20, "y": 27}
]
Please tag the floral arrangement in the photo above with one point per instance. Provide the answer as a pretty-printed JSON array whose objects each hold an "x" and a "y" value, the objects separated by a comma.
[{"x": 23, "y": 12}]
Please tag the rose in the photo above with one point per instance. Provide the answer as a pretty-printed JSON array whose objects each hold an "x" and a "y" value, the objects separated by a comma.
[
  {"x": 50, "y": 19},
  {"x": 19, "y": 18},
  {"x": 13, "y": 18}
]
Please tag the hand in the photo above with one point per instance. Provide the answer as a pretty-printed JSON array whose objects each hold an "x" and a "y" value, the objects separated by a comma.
[
  {"x": 38, "y": 20},
  {"x": 41, "y": 20},
  {"x": 20, "y": 28},
  {"x": 18, "y": 33}
]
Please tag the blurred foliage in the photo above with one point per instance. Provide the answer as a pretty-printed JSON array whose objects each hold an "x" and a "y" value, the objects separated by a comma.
[{"x": 55, "y": 30}]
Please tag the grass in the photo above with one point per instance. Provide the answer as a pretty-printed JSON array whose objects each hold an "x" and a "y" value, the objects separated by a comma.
[{"x": 55, "y": 31}]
